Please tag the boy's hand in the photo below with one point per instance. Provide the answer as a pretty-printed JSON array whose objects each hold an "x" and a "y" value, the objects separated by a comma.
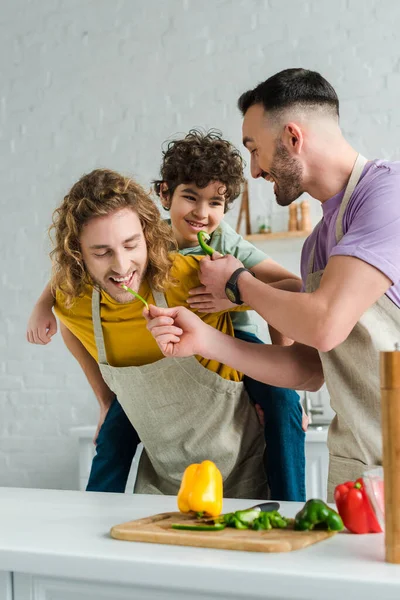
[
  {"x": 214, "y": 273},
  {"x": 42, "y": 325},
  {"x": 201, "y": 300},
  {"x": 177, "y": 331}
]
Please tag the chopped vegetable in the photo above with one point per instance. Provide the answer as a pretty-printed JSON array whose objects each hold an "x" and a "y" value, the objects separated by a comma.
[
  {"x": 138, "y": 296},
  {"x": 203, "y": 237},
  {"x": 215, "y": 527}
]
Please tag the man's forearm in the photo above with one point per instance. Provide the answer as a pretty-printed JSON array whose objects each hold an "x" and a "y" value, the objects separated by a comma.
[
  {"x": 296, "y": 366},
  {"x": 89, "y": 366},
  {"x": 296, "y": 316}
]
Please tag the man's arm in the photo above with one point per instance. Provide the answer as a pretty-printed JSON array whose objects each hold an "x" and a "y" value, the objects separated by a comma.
[
  {"x": 321, "y": 319},
  {"x": 91, "y": 369},
  {"x": 324, "y": 318},
  {"x": 179, "y": 332}
]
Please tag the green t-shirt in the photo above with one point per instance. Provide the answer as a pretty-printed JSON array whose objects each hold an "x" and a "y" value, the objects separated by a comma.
[{"x": 225, "y": 240}]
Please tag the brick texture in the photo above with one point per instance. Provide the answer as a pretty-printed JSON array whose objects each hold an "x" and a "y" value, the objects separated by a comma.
[{"x": 89, "y": 83}]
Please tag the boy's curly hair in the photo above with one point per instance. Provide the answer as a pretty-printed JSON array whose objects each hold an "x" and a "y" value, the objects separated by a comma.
[
  {"x": 97, "y": 194},
  {"x": 200, "y": 158}
]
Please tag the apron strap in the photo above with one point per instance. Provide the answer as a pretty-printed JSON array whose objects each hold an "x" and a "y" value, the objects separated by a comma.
[
  {"x": 98, "y": 330},
  {"x": 354, "y": 179},
  {"x": 356, "y": 173},
  {"x": 159, "y": 300}
]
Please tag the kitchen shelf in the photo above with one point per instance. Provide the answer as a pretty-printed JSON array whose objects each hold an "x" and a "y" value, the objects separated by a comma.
[{"x": 277, "y": 235}]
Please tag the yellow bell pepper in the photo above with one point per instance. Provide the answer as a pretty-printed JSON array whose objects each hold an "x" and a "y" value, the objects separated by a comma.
[{"x": 201, "y": 489}]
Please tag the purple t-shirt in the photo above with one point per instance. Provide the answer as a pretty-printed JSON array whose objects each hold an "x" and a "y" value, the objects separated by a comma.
[{"x": 371, "y": 225}]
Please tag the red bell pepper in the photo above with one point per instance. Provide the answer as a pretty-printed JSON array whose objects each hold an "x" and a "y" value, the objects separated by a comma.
[{"x": 355, "y": 509}]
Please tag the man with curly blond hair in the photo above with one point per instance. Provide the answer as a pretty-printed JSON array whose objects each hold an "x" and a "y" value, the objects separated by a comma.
[{"x": 108, "y": 233}]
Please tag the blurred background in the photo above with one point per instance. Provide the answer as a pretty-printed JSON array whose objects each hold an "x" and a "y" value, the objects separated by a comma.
[{"x": 95, "y": 83}]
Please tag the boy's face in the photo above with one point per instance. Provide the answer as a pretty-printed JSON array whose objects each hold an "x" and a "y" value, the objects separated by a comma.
[
  {"x": 195, "y": 209},
  {"x": 114, "y": 251}
]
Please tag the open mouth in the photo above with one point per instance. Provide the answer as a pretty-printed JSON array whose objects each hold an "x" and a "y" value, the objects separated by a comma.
[
  {"x": 269, "y": 178},
  {"x": 120, "y": 281},
  {"x": 196, "y": 225}
]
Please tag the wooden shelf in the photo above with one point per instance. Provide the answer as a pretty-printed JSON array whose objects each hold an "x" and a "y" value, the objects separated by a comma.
[{"x": 276, "y": 235}]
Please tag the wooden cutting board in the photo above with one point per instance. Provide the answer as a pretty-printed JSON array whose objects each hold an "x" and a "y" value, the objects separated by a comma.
[{"x": 157, "y": 529}]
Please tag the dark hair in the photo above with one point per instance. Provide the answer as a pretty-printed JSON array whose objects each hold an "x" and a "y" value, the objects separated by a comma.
[
  {"x": 199, "y": 158},
  {"x": 291, "y": 87}
]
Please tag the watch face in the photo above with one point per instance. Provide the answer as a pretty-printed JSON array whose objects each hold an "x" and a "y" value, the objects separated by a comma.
[{"x": 230, "y": 295}]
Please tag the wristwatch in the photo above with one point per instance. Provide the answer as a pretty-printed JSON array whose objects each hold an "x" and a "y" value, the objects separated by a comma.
[{"x": 231, "y": 287}]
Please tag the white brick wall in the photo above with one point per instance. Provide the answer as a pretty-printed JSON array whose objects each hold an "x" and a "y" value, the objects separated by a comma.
[{"x": 88, "y": 83}]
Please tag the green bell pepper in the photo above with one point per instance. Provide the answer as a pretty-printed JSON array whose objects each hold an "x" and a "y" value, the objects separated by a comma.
[{"x": 315, "y": 514}]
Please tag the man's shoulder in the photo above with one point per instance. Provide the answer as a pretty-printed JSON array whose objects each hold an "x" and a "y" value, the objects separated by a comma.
[
  {"x": 380, "y": 175},
  {"x": 78, "y": 304}
]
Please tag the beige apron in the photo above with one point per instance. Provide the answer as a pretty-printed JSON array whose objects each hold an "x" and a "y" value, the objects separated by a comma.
[
  {"x": 352, "y": 375},
  {"x": 185, "y": 414}
]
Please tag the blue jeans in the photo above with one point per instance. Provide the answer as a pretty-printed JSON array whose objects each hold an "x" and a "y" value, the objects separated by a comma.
[
  {"x": 284, "y": 458},
  {"x": 116, "y": 446}
]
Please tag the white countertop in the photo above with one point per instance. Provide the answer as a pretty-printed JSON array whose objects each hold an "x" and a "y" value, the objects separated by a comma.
[{"x": 66, "y": 534}]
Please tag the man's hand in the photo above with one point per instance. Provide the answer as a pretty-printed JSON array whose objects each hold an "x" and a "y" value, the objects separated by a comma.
[
  {"x": 215, "y": 272},
  {"x": 201, "y": 300},
  {"x": 42, "y": 325},
  {"x": 177, "y": 331}
]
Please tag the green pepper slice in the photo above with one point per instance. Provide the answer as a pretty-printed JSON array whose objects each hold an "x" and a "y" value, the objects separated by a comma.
[
  {"x": 216, "y": 527},
  {"x": 203, "y": 237}
]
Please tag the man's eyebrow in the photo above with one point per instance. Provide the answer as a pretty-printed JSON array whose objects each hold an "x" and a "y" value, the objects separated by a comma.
[
  {"x": 132, "y": 238},
  {"x": 246, "y": 140}
]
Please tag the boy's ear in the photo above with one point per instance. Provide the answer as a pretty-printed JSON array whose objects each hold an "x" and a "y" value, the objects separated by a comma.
[{"x": 165, "y": 196}]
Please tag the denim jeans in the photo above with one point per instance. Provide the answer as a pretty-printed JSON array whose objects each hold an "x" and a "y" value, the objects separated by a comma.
[
  {"x": 116, "y": 446},
  {"x": 284, "y": 458}
]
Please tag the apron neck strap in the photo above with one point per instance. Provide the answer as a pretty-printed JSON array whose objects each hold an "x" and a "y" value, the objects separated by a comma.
[
  {"x": 97, "y": 328},
  {"x": 159, "y": 300},
  {"x": 353, "y": 181},
  {"x": 356, "y": 173}
]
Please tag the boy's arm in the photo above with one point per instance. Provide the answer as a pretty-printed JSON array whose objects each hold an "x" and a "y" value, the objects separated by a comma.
[
  {"x": 269, "y": 271},
  {"x": 91, "y": 369},
  {"x": 42, "y": 324},
  {"x": 290, "y": 285}
]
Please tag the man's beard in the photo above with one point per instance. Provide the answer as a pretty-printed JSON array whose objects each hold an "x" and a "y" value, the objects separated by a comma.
[{"x": 288, "y": 173}]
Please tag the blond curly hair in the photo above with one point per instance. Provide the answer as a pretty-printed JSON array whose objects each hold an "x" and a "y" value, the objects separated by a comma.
[{"x": 97, "y": 194}]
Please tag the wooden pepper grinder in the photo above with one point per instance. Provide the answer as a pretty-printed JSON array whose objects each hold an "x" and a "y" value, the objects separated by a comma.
[
  {"x": 390, "y": 397},
  {"x": 305, "y": 221},
  {"x": 292, "y": 217}
]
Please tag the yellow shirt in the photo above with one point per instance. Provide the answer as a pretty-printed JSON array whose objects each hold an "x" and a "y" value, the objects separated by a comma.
[{"x": 127, "y": 340}]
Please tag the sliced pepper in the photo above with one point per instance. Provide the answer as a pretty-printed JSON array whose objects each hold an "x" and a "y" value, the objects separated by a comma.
[
  {"x": 355, "y": 509},
  {"x": 203, "y": 237},
  {"x": 317, "y": 514},
  {"x": 201, "y": 489},
  {"x": 216, "y": 527}
]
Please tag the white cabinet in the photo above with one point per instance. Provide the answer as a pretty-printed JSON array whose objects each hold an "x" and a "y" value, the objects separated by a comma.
[
  {"x": 37, "y": 587},
  {"x": 87, "y": 451},
  {"x": 5, "y": 585},
  {"x": 317, "y": 459}
]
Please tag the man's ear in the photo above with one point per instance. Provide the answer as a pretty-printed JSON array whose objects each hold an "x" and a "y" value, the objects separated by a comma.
[
  {"x": 293, "y": 138},
  {"x": 165, "y": 196}
]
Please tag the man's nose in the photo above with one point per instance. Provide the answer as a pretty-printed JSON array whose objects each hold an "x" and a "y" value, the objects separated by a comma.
[
  {"x": 121, "y": 263},
  {"x": 255, "y": 168}
]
